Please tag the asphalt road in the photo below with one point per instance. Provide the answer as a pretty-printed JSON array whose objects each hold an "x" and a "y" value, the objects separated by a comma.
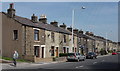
[{"x": 107, "y": 62}]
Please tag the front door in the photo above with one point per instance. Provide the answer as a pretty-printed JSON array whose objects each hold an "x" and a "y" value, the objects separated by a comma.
[
  {"x": 36, "y": 51},
  {"x": 56, "y": 51},
  {"x": 42, "y": 52}
]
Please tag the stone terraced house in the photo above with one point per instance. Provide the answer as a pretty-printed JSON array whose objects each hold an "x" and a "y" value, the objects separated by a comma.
[{"x": 36, "y": 40}]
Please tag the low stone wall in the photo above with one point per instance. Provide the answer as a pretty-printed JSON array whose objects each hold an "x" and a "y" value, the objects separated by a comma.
[
  {"x": 61, "y": 59},
  {"x": 43, "y": 59},
  {"x": 29, "y": 57}
]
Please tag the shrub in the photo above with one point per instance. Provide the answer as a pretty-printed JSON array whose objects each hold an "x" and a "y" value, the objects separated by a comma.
[
  {"x": 103, "y": 52},
  {"x": 63, "y": 54}
]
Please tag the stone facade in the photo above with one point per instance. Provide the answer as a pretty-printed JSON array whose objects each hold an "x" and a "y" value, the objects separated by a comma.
[{"x": 39, "y": 41}]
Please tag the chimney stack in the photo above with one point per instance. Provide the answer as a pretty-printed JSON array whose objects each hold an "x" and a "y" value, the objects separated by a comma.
[
  {"x": 70, "y": 29},
  {"x": 81, "y": 32},
  {"x": 63, "y": 26},
  {"x": 43, "y": 19},
  {"x": 11, "y": 10},
  {"x": 54, "y": 23},
  {"x": 34, "y": 18},
  {"x": 87, "y": 33},
  {"x": 91, "y": 33},
  {"x": 75, "y": 31}
]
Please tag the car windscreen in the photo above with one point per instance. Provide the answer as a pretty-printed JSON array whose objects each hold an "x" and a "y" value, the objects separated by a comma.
[{"x": 90, "y": 53}]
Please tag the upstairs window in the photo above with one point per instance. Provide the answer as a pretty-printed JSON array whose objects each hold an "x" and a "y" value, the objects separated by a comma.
[
  {"x": 36, "y": 34},
  {"x": 52, "y": 36},
  {"x": 15, "y": 34},
  {"x": 64, "y": 38}
]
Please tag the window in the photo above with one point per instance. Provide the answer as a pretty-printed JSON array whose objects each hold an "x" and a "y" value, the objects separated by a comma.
[
  {"x": 36, "y": 34},
  {"x": 36, "y": 51},
  {"x": 64, "y": 38},
  {"x": 52, "y": 51},
  {"x": 64, "y": 49},
  {"x": 15, "y": 34},
  {"x": 52, "y": 36}
]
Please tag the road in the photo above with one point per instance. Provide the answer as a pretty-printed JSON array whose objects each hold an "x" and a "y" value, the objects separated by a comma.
[{"x": 106, "y": 62}]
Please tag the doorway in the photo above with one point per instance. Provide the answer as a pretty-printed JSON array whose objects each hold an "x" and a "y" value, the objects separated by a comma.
[
  {"x": 56, "y": 51},
  {"x": 42, "y": 52},
  {"x": 36, "y": 51}
]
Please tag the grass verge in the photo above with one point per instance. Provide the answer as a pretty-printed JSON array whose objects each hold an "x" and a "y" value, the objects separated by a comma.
[{"x": 19, "y": 60}]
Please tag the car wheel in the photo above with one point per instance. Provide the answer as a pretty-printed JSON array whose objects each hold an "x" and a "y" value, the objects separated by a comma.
[
  {"x": 83, "y": 59},
  {"x": 78, "y": 60},
  {"x": 96, "y": 57}
]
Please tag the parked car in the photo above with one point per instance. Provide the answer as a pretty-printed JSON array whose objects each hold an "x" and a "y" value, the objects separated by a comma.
[
  {"x": 118, "y": 52},
  {"x": 114, "y": 53},
  {"x": 91, "y": 55},
  {"x": 75, "y": 56}
]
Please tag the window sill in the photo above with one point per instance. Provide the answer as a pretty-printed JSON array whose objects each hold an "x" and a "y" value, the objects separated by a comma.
[{"x": 36, "y": 41}]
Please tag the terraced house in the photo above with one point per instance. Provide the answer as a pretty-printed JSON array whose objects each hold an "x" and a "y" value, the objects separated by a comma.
[{"x": 36, "y": 40}]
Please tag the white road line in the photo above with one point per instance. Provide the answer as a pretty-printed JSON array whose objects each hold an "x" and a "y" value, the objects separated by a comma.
[
  {"x": 80, "y": 66},
  {"x": 102, "y": 60},
  {"x": 94, "y": 62},
  {"x": 76, "y": 67}
]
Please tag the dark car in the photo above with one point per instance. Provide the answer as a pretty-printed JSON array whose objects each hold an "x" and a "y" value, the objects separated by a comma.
[{"x": 91, "y": 55}]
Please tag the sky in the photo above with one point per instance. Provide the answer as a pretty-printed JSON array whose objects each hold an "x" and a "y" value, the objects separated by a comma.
[{"x": 101, "y": 18}]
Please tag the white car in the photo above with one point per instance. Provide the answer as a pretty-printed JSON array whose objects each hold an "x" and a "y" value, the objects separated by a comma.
[{"x": 75, "y": 56}]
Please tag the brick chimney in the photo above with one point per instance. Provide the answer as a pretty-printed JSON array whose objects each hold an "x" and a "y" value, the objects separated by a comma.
[
  {"x": 75, "y": 31},
  {"x": 11, "y": 10},
  {"x": 34, "y": 18},
  {"x": 54, "y": 23},
  {"x": 69, "y": 29},
  {"x": 43, "y": 19},
  {"x": 63, "y": 26}
]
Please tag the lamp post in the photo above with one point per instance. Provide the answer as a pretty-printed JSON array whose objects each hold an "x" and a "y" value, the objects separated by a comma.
[
  {"x": 107, "y": 42},
  {"x": 73, "y": 14}
]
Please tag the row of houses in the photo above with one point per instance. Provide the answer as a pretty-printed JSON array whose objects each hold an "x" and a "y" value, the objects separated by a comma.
[{"x": 35, "y": 39}]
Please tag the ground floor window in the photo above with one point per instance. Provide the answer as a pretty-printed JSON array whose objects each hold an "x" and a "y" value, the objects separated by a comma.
[
  {"x": 36, "y": 51},
  {"x": 52, "y": 51},
  {"x": 64, "y": 49},
  {"x": 67, "y": 50},
  {"x": 73, "y": 49}
]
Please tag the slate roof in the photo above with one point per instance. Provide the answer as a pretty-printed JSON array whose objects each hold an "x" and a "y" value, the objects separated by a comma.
[{"x": 49, "y": 27}]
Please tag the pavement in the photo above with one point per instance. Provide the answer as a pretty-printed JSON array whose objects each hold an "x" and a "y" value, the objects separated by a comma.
[{"x": 24, "y": 65}]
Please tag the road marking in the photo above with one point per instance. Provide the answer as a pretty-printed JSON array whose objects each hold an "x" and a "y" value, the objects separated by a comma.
[
  {"x": 94, "y": 62},
  {"x": 76, "y": 67},
  {"x": 80, "y": 66},
  {"x": 102, "y": 60}
]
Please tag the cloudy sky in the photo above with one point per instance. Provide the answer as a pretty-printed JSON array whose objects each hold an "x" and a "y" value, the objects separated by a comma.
[{"x": 98, "y": 17}]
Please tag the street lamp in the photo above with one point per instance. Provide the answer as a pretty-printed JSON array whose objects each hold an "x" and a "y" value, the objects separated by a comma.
[{"x": 73, "y": 14}]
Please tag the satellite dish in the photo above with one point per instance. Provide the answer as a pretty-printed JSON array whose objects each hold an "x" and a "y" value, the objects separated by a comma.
[{"x": 83, "y": 7}]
